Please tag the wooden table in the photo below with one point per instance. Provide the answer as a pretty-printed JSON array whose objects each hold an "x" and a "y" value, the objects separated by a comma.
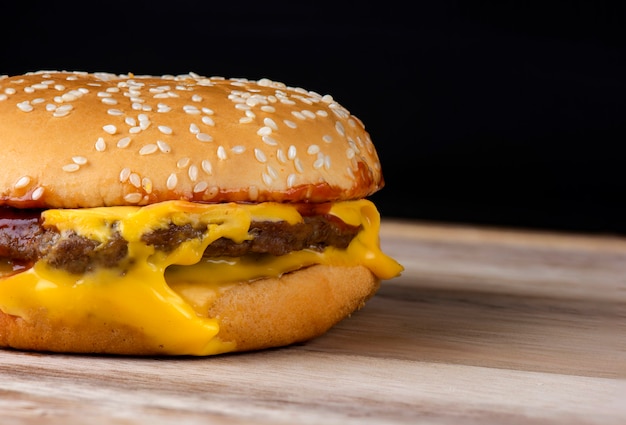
[{"x": 486, "y": 326}]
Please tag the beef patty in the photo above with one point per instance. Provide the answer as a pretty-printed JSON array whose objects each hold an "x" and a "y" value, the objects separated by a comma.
[{"x": 23, "y": 240}]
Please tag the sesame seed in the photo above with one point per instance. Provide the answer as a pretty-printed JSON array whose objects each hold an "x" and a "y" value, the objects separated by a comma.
[
  {"x": 10, "y": 90},
  {"x": 308, "y": 113},
  {"x": 148, "y": 149},
  {"x": 110, "y": 128},
  {"x": 221, "y": 153},
  {"x": 208, "y": 111},
  {"x": 146, "y": 184},
  {"x": 191, "y": 110},
  {"x": 194, "y": 129},
  {"x": 37, "y": 193},
  {"x": 69, "y": 97},
  {"x": 319, "y": 163},
  {"x": 40, "y": 100},
  {"x": 340, "y": 129},
  {"x": 135, "y": 180},
  {"x": 291, "y": 180},
  {"x": 211, "y": 192},
  {"x": 266, "y": 179},
  {"x": 327, "y": 138},
  {"x": 123, "y": 142},
  {"x": 203, "y": 137},
  {"x": 350, "y": 153},
  {"x": 339, "y": 111},
  {"x": 196, "y": 98},
  {"x": 298, "y": 164},
  {"x": 322, "y": 113},
  {"x": 163, "y": 108},
  {"x": 109, "y": 101},
  {"x": 193, "y": 173},
  {"x": 253, "y": 192},
  {"x": 269, "y": 141},
  {"x": 133, "y": 198},
  {"x": 134, "y": 130},
  {"x": 271, "y": 171},
  {"x": 60, "y": 114},
  {"x": 259, "y": 155},
  {"x": 270, "y": 123},
  {"x": 130, "y": 121},
  {"x": 313, "y": 149},
  {"x": 22, "y": 182},
  {"x": 100, "y": 144},
  {"x": 183, "y": 162},
  {"x": 292, "y": 152},
  {"x": 207, "y": 167},
  {"x": 66, "y": 107},
  {"x": 208, "y": 120},
  {"x": 165, "y": 129},
  {"x": 252, "y": 101},
  {"x": 268, "y": 108},
  {"x": 290, "y": 124},
  {"x": 298, "y": 115},
  {"x": 264, "y": 131},
  {"x": 238, "y": 149},
  {"x": 25, "y": 106},
  {"x": 80, "y": 160},
  {"x": 200, "y": 187},
  {"x": 280, "y": 154},
  {"x": 163, "y": 147},
  {"x": 70, "y": 168},
  {"x": 172, "y": 181},
  {"x": 3, "y": 97},
  {"x": 124, "y": 174}
]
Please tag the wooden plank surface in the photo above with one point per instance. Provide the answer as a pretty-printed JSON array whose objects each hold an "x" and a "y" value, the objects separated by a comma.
[{"x": 485, "y": 326}]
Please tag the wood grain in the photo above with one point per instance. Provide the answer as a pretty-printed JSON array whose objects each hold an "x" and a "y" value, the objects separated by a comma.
[{"x": 485, "y": 326}]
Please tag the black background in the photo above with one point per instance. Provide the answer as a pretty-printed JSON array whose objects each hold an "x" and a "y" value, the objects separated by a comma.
[{"x": 504, "y": 113}]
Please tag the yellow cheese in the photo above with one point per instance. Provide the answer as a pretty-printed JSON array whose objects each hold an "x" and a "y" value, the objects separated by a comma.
[{"x": 166, "y": 294}]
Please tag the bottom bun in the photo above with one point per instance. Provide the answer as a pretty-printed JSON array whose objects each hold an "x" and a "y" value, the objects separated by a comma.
[{"x": 266, "y": 313}]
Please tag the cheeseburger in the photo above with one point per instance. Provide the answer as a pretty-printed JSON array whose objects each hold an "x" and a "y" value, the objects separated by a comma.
[{"x": 181, "y": 215}]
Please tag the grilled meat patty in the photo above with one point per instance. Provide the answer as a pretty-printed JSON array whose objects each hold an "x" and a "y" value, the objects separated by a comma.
[{"x": 23, "y": 240}]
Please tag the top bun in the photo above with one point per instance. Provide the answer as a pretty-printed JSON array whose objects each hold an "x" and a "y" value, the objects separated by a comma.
[{"x": 74, "y": 139}]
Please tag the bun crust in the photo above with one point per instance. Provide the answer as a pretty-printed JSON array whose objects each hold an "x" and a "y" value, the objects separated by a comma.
[
  {"x": 87, "y": 140},
  {"x": 266, "y": 313}
]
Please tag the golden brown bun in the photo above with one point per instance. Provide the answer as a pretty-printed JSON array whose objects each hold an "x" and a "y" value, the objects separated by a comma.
[
  {"x": 266, "y": 313},
  {"x": 88, "y": 140}
]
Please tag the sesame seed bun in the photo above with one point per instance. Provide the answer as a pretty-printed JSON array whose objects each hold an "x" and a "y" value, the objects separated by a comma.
[
  {"x": 88, "y": 140},
  {"x": 271, "y": 177}
]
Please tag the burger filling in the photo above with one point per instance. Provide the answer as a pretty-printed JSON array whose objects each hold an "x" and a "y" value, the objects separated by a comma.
[
  {"x": 160, "y": 267},
  {"x": 24, "y": 240}
]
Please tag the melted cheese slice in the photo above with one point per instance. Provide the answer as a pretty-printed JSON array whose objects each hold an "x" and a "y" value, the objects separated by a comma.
[{"x": 167, "y": 295}]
